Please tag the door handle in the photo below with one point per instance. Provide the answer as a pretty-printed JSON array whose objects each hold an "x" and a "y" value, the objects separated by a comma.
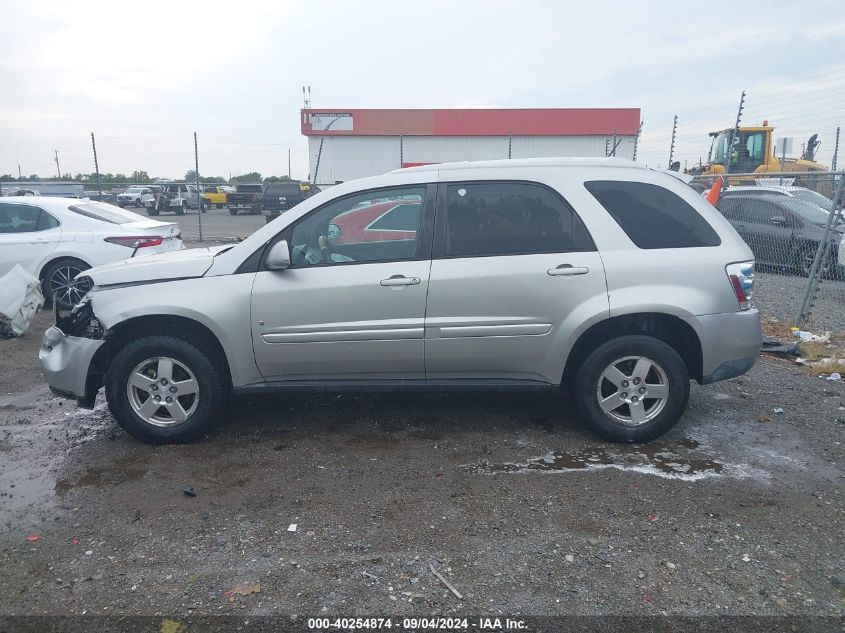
[
  {"x": 567, "y": 270},
  {"x": 400, "y": 280},
  {"x": 40, "y": 242}
]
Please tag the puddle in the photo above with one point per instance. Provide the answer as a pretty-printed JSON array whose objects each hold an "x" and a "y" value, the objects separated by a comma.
[
  {"x": 116, "y": 472},
  {"x": 678, "y": 460},
  {"x": 37, "y": 436}
]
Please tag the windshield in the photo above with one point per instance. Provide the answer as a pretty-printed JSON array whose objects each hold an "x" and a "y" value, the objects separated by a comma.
[
  {"x": 719, "y": 149},
  {"x": 249, "y": 188},
  {"x": 808, "y": 195},
  {"x": 133, "y": 190},
  {"x": 105, "y": 212},
  {"x": 805, "y": 210}
]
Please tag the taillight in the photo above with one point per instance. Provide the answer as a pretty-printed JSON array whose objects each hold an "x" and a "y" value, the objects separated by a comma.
[
  {"x": 741, "y": 276},
  {"x": 255, "y": 197},
  {"x": 136, "y": 241}
]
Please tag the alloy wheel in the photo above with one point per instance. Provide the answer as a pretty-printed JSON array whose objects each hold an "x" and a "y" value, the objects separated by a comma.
[
  {"x": 67, "y": 290},
  {"x": 632, "y": 390},
  {"x": 162, "y": 391}
]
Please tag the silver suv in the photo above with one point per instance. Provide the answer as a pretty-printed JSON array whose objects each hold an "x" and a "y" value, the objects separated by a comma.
[{"x": 613, "y": 280}]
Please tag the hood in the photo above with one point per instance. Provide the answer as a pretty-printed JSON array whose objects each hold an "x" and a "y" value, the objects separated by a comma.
[{"x": 191, "y": 262}]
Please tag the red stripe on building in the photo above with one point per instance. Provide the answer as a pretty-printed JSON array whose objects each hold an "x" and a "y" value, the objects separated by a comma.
[{"x": 481, "y": 122}]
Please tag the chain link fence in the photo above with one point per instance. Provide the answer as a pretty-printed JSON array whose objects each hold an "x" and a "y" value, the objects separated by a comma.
[{"x": 792, "y": 221}]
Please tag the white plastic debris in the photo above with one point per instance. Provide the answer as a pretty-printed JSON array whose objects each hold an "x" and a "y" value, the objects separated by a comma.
[
  {"x": 20, "y": 299},
  {"x": 809, "y": 337},
  {"x": 835, "y": 376},
  {"x": 778, "y": 410},
  {"x": 292, "y": 527}
]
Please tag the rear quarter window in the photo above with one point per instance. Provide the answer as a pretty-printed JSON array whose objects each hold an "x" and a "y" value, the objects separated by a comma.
[{"x": 652, "y": 216}]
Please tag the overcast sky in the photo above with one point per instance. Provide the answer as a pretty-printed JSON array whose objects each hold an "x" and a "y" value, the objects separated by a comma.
[{"x": 145, "y": 76}]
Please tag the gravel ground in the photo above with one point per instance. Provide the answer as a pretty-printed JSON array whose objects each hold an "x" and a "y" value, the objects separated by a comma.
[
  {"x": 738, "y": 511},
  {"x": 780, "y": 295}
]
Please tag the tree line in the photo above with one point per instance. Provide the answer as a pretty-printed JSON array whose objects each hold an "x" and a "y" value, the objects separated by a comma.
[{"x": 143, "y": 178}]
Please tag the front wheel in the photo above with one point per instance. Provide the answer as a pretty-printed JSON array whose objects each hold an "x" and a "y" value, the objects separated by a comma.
[
  {"x": 165, "y": 389},
  {"x": 632, "y": 389}
]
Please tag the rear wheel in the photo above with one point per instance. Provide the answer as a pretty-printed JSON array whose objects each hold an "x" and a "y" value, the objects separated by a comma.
[
  {"x": 632, "y": 389},
  {"x": 806, "y": 258},
  {"x": 59, "y": 282},
  {"x": 165, "y": 389}
]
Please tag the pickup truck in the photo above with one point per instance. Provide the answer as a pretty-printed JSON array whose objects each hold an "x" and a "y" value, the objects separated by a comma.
[
  {"x": 281, "y": 196},
  {"x": 215, "y": 195},
  {"x": 246, "y": 198},
  {"x": 271, "y": 199}
]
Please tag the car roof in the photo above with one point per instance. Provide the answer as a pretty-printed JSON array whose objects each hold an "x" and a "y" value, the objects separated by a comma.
[
  {"x": 42, "y": 201},
  {"x": 523, "y": 162}
]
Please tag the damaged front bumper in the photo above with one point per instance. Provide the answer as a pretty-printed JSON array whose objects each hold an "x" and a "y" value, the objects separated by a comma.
[{"x": 68, "y": 353}]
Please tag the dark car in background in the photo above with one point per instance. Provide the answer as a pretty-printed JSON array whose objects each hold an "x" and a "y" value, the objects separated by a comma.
[
  {"x": 246, "y": 197},
  {"x": 278, "y": 197},
  {"x": 784, "y": 231}
]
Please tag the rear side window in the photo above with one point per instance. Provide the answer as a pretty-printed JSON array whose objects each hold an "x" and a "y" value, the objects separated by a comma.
[
  {"x": 402, "y": 217},
  {"x": 105, "y": 212},
  {"x": 507, "y": 218},
  {"x": 651, "y": 216}
]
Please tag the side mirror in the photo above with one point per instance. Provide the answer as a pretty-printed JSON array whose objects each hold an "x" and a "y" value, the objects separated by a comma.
[
  {"x": 778, "y": 220},
  {"x": 334, "y": 232},
  {"x": 279, "y": 256}
]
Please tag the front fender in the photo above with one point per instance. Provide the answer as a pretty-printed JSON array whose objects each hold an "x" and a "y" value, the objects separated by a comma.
[{"x": 221, "y": 304}]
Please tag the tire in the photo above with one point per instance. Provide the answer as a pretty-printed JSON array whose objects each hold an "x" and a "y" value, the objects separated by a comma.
[
  {"x": 182, "y": 209},
  {"x": 233, "y": 211},
  {"x": 805, "y": 261},
  {"x": 58, "y": 277},
  {"x": 632, "y": 421},
  {"x": 190, "y": 364},
  {"x": 152, "y": 211},
  {"x": 138, "y": 203},
  {"x": 218, "y": 206},
  {"x": 255, "y": 211}
]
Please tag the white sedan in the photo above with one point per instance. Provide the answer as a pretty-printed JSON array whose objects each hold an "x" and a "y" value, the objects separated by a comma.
[{"x": 57, "y": 238}]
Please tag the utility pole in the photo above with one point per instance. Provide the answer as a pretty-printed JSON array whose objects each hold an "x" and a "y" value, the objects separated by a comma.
[
  {"x": 58, "y": 169},
  {"x": 20, "y": 176},
  {"x": 734, "y": 132},
  {"x": 835, "y": 151},
  {"x": 96, "y": 167}
]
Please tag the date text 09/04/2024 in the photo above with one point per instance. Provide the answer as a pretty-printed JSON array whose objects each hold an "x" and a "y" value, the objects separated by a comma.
[{"x": 431, "y": 623}]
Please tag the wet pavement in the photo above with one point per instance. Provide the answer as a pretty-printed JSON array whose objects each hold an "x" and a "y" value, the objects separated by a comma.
[{"x": 508, "y": 495}]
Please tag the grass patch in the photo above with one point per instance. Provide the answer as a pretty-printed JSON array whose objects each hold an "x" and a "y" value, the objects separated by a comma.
[
  {"x": 827, "y": 367},
  {"x": 814, "y": 350}
]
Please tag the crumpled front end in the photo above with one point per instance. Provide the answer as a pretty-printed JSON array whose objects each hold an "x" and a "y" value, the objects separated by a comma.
[{"x": 69, "y": 354}]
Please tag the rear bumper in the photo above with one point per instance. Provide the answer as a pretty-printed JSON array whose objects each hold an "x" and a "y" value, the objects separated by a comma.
[
  {"x": 730, "y": 344},
  {"x": 65, "y": 361}
]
